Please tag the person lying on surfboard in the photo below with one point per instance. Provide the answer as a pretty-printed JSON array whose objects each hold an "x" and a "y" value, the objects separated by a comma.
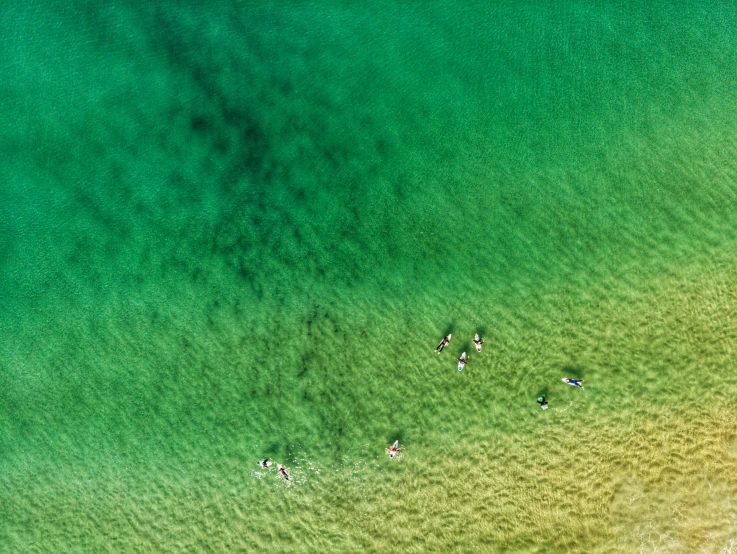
[
  {"x": 265, "y": 463},
  {"x": 478, "y": 342},
  {"x": 574, "y": 382},
  {"x": 462, "y": 361},
  {"x": 443, "y": 343},
  {"x": 283, "y": 471},
  {"x": 393, "y": 451}
]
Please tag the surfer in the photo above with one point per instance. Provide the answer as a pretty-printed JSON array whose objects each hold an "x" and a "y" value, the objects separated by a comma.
[
  {"x": 265, "y": 463},
  {"x": 283, "y": 471},
  {"x": 443, "y": 343},
  {"x": 393, "y": 450},
  {"x": 462, "y": 361},
  {"x": 574, "y": 382},
  {"x": 543, "y": 403},
  {"x": 478, "y": 342}
]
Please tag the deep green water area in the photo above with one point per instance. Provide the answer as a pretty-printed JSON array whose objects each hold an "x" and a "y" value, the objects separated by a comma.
[{"x": 236, "y": 230}]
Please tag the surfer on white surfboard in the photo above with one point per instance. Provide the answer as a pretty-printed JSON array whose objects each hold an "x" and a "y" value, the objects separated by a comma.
[
  {"x": 574, "y": 382},
  {"x": 265, "y": 463},
  {"x": 283, "y": 471},
  {"x": 393, "y": 451},
  {"x": 462, "y": 361},
  {"x": 478, "y": 342},
  {"x": 443, "y": 343}
]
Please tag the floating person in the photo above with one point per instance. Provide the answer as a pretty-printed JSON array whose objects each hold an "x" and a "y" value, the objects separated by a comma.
[
  {"x": 393, "y": 450},
  {"x": 543, "y": 403},
  {"x": 443, "y": 343},
  {"x": 478, "y": 342},
  {"x": 283, "y": 471},
  {"x": 265, "y": 463},
  {"x": 462, "y": 361},
  {"x": 574, "y": 382}
]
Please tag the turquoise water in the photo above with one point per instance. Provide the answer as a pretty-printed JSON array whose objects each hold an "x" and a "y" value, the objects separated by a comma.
[{"x": 238, "y": 231}]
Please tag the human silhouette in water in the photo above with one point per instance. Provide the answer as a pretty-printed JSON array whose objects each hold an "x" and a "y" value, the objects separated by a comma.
[
  {"x": 478, "y": 342},
  {"x": 443, "y": 343},
  {"x": 393, "y": 451}
]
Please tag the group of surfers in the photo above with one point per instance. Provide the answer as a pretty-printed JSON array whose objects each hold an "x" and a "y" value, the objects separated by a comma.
[
  {"x": 394, "y": 450},
  {"x": 463, "y": 359},
  {"x": 281, "y": 470},
  {"x": 478, "y": 342}
]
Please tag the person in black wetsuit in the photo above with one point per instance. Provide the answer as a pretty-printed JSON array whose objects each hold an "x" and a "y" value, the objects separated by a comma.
[{"x": 443, "y": 343}]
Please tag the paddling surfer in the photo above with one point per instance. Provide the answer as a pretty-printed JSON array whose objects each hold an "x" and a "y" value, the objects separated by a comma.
[
  {"x": 393, "y": 450},
  {"x": 462, "y": 361},
  {"x": 283, "y": 471},
  {"x": 573, "y": 382},
  {"x": 265, "y": 463},
  {"x": 443, "y": 343}
]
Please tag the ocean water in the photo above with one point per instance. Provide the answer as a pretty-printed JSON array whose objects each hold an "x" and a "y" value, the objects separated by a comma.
[{"x": 233, "y": 230}]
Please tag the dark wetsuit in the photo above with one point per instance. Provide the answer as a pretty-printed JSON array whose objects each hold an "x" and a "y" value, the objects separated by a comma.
[{"x": 443, "y": 344}]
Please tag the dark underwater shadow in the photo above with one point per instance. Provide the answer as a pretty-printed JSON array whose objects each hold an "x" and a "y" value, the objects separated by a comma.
[
  {"x": 466, "y": 347},
  {"x": 397, "y": 435},
  {"x": 575, "y": 372}
]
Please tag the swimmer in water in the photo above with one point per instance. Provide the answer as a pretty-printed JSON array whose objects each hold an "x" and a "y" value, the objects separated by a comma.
[
  {"x": 478, "y": 342},
  {"x": 574, "y": 382},
  {"x": 443, "y": 343},
  {"x": 265, "y": 463},
  {"x": 393, "y": 451},
  {"x": 283, "y": 471}
]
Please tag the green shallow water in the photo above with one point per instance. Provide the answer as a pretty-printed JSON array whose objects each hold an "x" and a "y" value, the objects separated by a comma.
[{"x": 238, "y": 231}]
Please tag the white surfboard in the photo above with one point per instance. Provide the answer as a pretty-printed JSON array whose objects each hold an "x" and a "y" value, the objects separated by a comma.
[
  {"x": 477, "y": 343},
  {"x": 462, "y": 361}
]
